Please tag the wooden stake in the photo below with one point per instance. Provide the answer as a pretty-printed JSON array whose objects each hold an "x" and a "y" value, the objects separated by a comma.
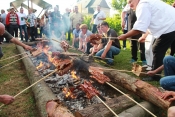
[
  {"x": 107, "y": 106},
  {"x": 13, "y": 56},
  {"x": 131, "y": 99},
  {"x": 32, "y": 85}
]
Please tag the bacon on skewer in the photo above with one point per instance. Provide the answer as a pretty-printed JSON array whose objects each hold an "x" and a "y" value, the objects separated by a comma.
[
  {"x": 101, "y": 78},
  {"x": 89, "y": 89}
]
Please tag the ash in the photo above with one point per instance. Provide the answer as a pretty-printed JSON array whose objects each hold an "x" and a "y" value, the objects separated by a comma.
[{"x": 66, "y": 87}]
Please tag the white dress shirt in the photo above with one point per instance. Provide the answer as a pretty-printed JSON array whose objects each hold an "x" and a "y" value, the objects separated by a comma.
[
  {"x": 101, "y": 14},
  {"x": 156, "y": 16}
]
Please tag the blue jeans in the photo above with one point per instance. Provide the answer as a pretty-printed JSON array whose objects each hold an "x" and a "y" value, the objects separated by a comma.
[
  {"x": 168, "y": 82},
  {"x": 23, "y": 27},
  {"x": 112, "y": 51}
]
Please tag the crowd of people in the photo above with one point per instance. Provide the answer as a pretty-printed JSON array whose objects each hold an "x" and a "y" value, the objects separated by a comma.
[{"x": 150, "y": 24}]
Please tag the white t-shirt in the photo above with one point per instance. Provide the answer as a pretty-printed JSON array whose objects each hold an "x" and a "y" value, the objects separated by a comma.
[
  {"x": 101, "y": 14},
  {"x": 156, "y": 16},
  {"x": 22, "y": 17}
]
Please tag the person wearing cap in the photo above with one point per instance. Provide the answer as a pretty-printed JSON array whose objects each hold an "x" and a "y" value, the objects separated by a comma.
[
  {"x": 158, "y": 18},
  {"x": 84, "y": 44},
  {"x": 12, "y": 21}
]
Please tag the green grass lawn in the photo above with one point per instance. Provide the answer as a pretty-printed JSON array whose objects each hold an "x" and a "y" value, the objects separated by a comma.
[{"x": 13, "y": 79}]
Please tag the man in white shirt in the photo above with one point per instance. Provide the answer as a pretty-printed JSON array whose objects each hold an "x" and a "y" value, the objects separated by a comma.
[
  {"x": 22, "y": 24},
  {"x": 98, "y": 17},
  {"x": 158, "y": 17}
]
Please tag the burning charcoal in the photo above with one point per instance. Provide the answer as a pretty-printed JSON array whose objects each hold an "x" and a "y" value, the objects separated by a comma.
[
  {"x": 63, "y": 81},
  {"x": 58, "y": 77},
  {"x": 51, "y": 80}
]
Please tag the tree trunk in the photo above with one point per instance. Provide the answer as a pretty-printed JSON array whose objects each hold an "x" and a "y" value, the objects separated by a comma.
[
  {"x": 117, "y": 104},
  {"x": 142, "y": 89}
]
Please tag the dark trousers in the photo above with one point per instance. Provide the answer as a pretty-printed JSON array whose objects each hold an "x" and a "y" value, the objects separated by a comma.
[
  {"x": 13, "y": 30},
  {"x": 94, "y": 28},
  {"x": 88, "y": 48},
  {"x": 134, "y": 50},
  {"x": 124, "y": 41},
  {"x": 160, "y": 46},
  {"x": 23, "y": 28},
  {"x": 69, "y": 33},
  {"x": 1, "y": 39},
  {"x": 172, "y": 49},
  {"x": 32, "y": 33}
]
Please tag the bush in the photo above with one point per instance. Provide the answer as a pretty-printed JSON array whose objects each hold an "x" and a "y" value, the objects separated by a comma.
[
  {"x": 115, "y": 23},
  {"x": 87, "y": 20}
]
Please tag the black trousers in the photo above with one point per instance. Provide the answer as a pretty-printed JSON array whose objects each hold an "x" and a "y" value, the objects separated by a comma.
[
  {"x": 134, "y": 49},
  {"x": 160, "y": 46},
  {"x": 33, "y": 33},
  {"x": 124, "y": 41},
  {"x": 172, "y": 49},
  {"x": 94, "y": 28},
  {"x": 13, "y": 29},
  {"x": 88, "y": 48}
]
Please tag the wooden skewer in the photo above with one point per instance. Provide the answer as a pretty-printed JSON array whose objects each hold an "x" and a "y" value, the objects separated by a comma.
[
  {"x": 113, "y": 38},
  {"x": 32, "y": 85},
  {"x": 60, "y": 42},
  {"x": 13, "y": 56},
  {"x": 131, "y": 99},
  {"x": 15, "y": 61},
  {"x": 107, "y": 106},
  {"x": 128, "y": 71}
]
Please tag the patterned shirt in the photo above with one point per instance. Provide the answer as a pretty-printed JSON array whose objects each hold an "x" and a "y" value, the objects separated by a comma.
[{"x": 31, "y": 19}]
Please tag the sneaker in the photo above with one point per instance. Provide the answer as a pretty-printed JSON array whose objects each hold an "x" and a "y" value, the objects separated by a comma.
[
  {"x": 132, "y": 61},
  {"x": 124, "y": 48},
  {"x": 144, "y": 63},
  {"x": 148, "y": 68},
  {"x": 145, "y": 66}
]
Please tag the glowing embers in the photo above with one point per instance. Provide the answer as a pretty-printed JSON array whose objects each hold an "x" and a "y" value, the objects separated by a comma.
[{"x": 68, "y": 93}]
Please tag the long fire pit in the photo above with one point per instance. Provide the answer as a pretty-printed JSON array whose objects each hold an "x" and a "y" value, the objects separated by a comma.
[{"x": 65, "y": 85}]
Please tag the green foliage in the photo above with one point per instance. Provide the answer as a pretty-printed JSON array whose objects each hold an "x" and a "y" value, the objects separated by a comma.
[
  {"x": 87, "y": 20},
  {"x": 115, "y": 23},
  {"x": 118, "y": 4},
  {"x": 169, "y": 1}
]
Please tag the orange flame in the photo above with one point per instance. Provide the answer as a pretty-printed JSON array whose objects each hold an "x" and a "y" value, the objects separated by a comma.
[
  {"x": 68, "y": 93},
  {"x": 73, "y": 74},
  {"x": 40, "y": 65}
]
